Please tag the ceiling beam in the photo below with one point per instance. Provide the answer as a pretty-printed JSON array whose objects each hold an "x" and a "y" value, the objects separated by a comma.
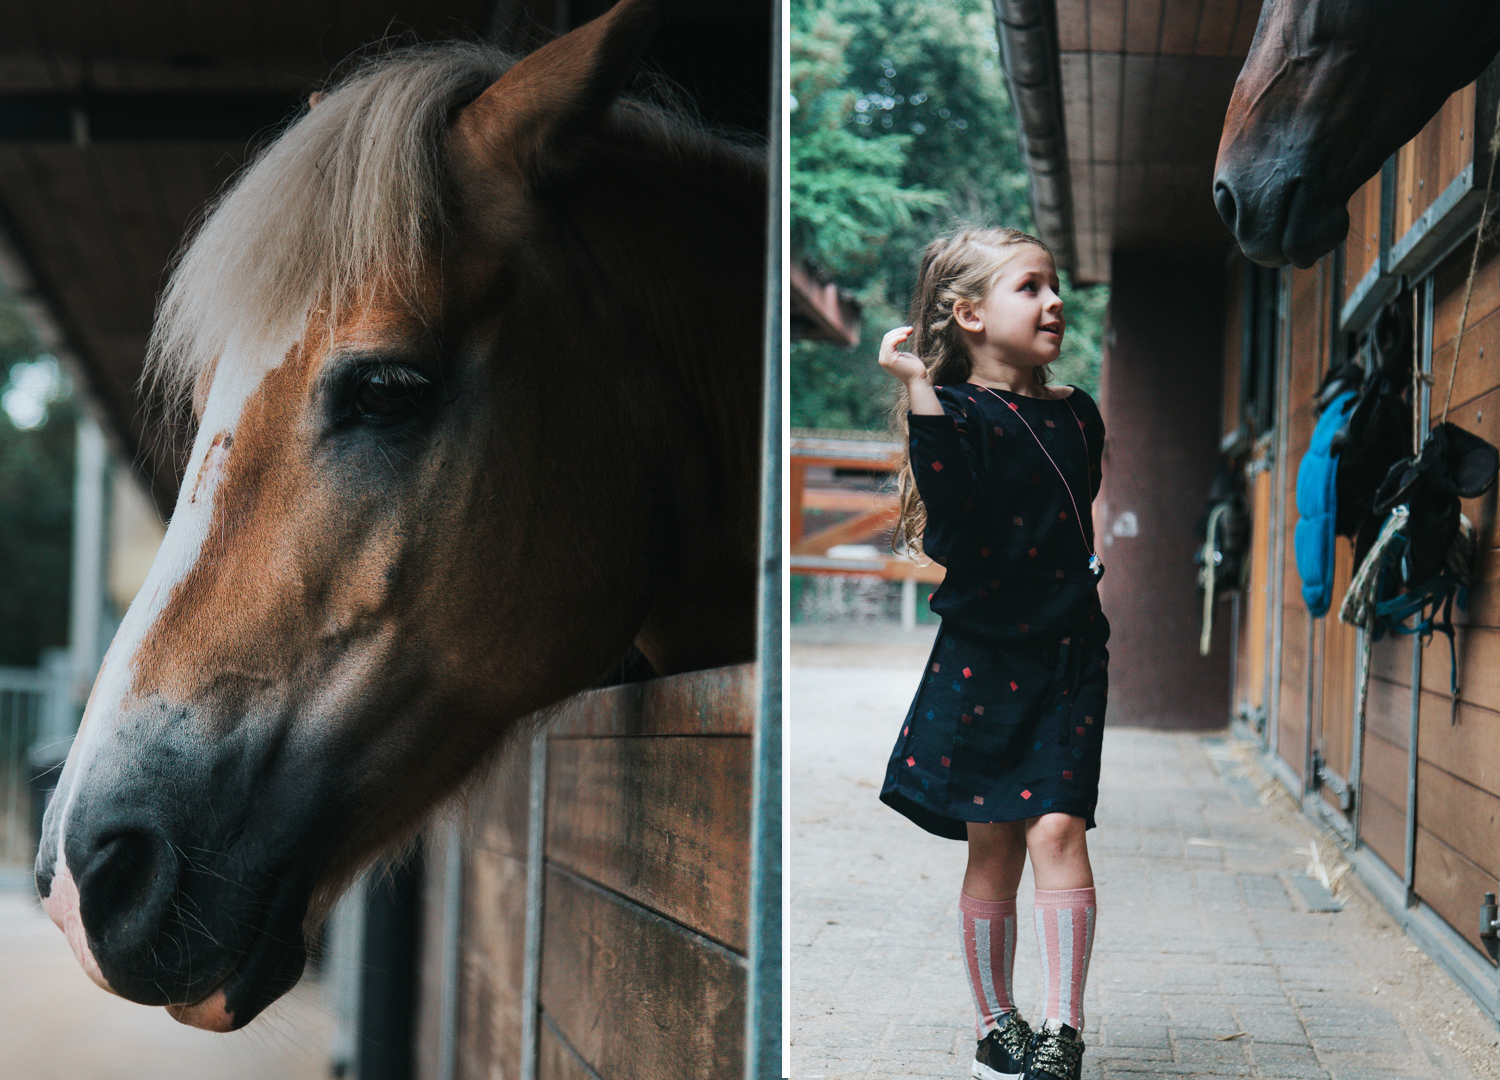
[{"x": 144, "y": 116}]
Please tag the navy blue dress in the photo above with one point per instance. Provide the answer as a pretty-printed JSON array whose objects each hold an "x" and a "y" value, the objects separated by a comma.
[{"x": 1008, "y": 719}]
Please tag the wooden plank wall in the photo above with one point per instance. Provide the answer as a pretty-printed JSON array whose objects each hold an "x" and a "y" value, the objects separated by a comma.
[
  {"x": 1458, "y": 752},
  {"x": 1234, "y": 329},
  {"x": 1362, "y": 247},
  {"x": 1426, "y": 165},
  {"x": 1336, "y": 714},
  {"x": 1457, "y": 845},
  {"x": 492, "y": 951},
  {"x": 646, "y": 874},
  {"x": 1306, "y": 338}
]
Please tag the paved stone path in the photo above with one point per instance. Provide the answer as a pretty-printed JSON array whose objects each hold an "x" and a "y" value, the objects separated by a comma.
[{"x": 1208, "y": 960}]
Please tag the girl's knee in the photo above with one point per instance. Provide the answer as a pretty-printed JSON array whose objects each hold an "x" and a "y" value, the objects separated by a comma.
[{"x": 1055, "y": 834}]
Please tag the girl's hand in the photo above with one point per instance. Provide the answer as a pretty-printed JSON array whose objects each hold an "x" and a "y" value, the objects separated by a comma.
[{"x": 907, "y": 367}]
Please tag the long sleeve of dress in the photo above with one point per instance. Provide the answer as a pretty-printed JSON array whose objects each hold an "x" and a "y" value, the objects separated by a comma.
[
  {"x": 1094, "y": 431},
  {"x": 946, "y": 464}
]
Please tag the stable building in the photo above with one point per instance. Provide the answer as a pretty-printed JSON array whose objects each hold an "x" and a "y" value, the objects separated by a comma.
[{"x": 1211, "y": 365}]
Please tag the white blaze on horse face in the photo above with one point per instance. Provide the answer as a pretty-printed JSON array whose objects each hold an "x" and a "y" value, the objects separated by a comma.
[{"x": 234, "y": 383}]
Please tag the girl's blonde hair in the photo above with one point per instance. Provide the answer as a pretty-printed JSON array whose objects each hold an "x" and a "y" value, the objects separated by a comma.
[{"x": 961, "y": 265}]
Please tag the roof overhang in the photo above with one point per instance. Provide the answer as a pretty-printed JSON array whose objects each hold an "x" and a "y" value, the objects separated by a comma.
[
  {"x": 820, "y": 310},
  {"x": 1120, "y": 108}
]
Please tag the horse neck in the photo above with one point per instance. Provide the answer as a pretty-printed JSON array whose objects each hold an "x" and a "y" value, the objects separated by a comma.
[{"x": 679, "y": 230}]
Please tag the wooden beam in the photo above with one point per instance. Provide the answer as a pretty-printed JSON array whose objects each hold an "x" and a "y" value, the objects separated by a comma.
[
  {"x": 843, "y": 500},
  {"x": 888, "y": 567},
  {"x": 798, "y": 483},
  {"x": 851, "y": 530},
  {"x": 821, "y": 312},
  {"x": 143, "y": 116}
]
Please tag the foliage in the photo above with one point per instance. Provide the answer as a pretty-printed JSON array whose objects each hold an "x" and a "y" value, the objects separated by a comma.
[
  {"x": 36, "y": 503},
  {"x": 847, "y": 191},
  {"x": 918, "y": 83}
]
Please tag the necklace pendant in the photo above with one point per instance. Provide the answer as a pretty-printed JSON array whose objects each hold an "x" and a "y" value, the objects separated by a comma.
[{"x": 1096, "y": 567}]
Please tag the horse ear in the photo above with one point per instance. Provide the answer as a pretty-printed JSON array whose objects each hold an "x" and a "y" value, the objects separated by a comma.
[{"x": 526, "y": 120}]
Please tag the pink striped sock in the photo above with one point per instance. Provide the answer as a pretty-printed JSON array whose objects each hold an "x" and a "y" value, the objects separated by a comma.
[
  {"x": 1065, "y": 936},
  {"x": 989, "y": 931}
]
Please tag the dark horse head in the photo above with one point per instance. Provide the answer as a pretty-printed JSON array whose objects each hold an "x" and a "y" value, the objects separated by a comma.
[
  {"x": 474, "y": 351},
  {"x": 1332, "y": 88}
]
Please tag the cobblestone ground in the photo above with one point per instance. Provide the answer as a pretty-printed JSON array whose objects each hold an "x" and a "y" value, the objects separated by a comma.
[{"x": 1208, "y": 961}]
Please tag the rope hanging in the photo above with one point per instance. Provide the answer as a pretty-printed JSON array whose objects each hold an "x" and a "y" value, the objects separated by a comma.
[{"x": 1484, "y": 214}]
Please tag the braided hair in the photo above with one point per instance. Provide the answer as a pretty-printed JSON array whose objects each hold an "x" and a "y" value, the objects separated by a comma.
[{"x": 961, "y": 265}]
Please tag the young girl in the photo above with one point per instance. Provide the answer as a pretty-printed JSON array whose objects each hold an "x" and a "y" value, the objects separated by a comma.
[{"x": 1001, "y": 746}]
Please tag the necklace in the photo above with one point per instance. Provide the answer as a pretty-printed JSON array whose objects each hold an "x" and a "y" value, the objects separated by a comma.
[{"x": 1096, "y": 564}]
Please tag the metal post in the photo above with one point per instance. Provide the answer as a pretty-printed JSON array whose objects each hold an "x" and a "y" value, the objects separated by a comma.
[
  {"x": 1311, "y": 697},
  {"x": 536, "y": 835},
  {"x": 909, "y": 604},
  {"x": 1278, "y": 516},
  {"x": 1425, "y": 412},
  {"x": 1357, "y": 738},
  {"x": 86, "y": 605},
  {"x": 453, "y": 886},
  {"x": 766, "y": 998},
  {"x": 346, "y": 936}
]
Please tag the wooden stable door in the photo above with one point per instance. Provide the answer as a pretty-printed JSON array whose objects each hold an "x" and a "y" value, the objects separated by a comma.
[{"x": 604, "y": 894}]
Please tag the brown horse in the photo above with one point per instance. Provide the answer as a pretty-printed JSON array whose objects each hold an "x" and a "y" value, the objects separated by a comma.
[
  {"x": 1329, "y": 91},
  {"x": 475, "y": 354}
]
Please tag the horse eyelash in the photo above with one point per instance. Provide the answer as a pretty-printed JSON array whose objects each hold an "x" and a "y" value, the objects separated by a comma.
[{"x": 397, "y": 374}]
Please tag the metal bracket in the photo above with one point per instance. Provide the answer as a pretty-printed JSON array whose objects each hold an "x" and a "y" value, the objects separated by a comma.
[
  {"x": 1489, "y": 925},
  {"x": 1323, "y": 776}
]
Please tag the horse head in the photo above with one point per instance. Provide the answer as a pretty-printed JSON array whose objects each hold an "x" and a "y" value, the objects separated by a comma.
[
  {"x": 1330, "y": 90},
  {"x": 474, "y": 355}
]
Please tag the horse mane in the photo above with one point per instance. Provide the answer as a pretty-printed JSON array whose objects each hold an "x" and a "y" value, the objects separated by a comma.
[{"x": 354, "y": 191}]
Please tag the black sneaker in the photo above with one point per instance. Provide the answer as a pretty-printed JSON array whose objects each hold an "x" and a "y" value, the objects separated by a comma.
[
  {"x": 1001, "y": 1055},
  {"x": 1056, "y": 1053}
]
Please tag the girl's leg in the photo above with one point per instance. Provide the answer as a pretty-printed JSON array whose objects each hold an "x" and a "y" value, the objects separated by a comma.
[
  {"x": 987, "y": 909},
  {"x": 1065, "y": 910}
]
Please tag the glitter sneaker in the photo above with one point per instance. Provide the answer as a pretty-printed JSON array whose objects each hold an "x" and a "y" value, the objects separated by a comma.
[
  {"x": 1001, "y": 1055},
  {"x": 1056, "y": 1053}
]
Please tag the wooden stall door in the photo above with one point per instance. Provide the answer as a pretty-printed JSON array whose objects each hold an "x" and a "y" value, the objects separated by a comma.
[
  {"x": 640, "y": 962},
  {"x": 1306, "y": 343},
  {"x": 1426, "y": 166},
  {"x": 1457, "y": 843},
  {"x": 1362, "y": 246}
]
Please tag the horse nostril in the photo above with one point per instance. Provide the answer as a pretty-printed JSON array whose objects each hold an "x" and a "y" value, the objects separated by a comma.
[
  {"x": 1224, "y": 202},
  {"x": 124, "y": 884}
]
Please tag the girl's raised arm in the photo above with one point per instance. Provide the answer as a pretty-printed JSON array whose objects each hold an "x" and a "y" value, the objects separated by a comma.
[{"x": 909, "y": 370}]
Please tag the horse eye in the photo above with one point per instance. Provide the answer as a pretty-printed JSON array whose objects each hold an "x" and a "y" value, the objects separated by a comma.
[{"x": 388, "y": 395}]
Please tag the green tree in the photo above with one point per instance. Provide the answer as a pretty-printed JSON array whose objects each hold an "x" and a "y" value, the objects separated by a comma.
[
  {"x": 849, "y": 193},
  {"x": 36, "y": 494},
  {"x": 920, "y": 80}
]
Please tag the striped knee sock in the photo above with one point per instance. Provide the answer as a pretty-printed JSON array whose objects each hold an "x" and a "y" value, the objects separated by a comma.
[
  {"x": 989, "y": 930},
  {"x": 1065, "y": 935}
]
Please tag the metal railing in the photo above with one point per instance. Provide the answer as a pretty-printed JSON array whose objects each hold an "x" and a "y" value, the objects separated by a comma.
[{"x": 35, "y": 728}]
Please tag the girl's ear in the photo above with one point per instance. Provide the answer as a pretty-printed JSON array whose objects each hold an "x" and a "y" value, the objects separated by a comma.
[
  {"x": 966, "y": 317},
  {"x": 527, "y": 122}
]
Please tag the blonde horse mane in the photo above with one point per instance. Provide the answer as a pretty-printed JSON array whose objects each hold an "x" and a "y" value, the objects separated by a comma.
[{"x": 351, "y": 192}]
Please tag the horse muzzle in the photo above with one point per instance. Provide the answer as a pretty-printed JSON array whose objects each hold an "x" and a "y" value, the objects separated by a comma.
[
  {"x": 1277, "y": 217},
  {"x": 169, "y": 897}
]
